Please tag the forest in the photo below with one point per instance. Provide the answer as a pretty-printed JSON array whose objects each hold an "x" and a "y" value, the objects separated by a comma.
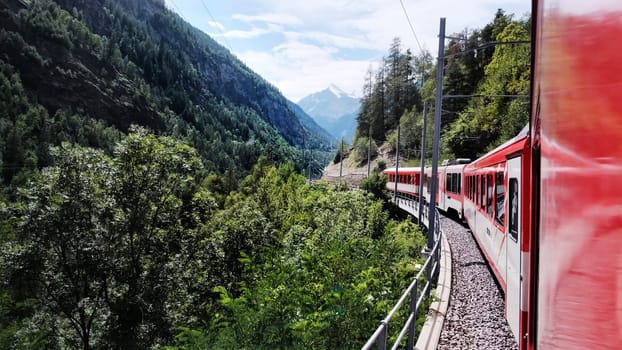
[
  {"x": 487, "y": 71},
  {"x": 136, "y": 250},
  {"x": 148, "y": 200}
]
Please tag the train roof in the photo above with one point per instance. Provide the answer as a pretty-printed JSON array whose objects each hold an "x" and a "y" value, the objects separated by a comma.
[
  {"x": 483, "y": 160},
  {"x": 410, "y": 169}
]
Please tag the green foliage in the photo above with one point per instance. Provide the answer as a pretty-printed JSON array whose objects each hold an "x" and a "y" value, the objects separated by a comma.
[
  {"x": 376, "y": 183},
  {"x": 344, "y": 148},
  {"x": 84, "y": 72},
  {"x": 101, "y": 242},
  {"x": 127, "y": 250},
  {"x": 391, "y": 92},
  {"x": 339, "y": 270},
  {"x": 469, "y": 126},
  {"x": 486, "y": 123},
  {"x": 361, "y": 149}
]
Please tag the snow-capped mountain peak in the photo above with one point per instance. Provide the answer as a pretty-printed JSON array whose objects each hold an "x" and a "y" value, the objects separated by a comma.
[
  {"x": 336, "y": 90},
  {"x": 333, "y": 109}
]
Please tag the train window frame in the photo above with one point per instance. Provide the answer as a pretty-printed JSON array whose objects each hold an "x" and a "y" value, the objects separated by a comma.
[
  {"x": 471, "y": 187},
  {"x": 482, "y": 195},
  {"x": 489, "y": 196},
  {"x": 499, "y": 206},
  {"x": 477, "y": 179},
  {"x": 459, "y": 177},
  {"x": 475, "y": 184},
  {"x": 514, "y": 210},
  {"x": 448, "y": 182}
]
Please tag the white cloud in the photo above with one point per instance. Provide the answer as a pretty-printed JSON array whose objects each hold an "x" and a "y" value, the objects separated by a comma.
[
  {"x": 339, "y": 41},
  {"x": 299, "y": 69},
  {"x": 216, "y": 25},
  {"x": 244, "y": 34},
  {"x": 275, "y": 18},
  {"x": 318, "y": 34}
]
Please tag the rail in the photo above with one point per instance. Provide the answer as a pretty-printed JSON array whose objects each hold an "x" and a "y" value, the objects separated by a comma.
[{"x": 432, "y": 268}]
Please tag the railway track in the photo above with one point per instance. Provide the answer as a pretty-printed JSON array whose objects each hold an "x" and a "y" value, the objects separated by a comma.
[{"x": 475, "y": 318}]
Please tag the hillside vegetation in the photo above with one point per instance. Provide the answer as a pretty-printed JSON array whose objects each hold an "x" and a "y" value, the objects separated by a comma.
[
  {"x": 151, "y": 196},
  {"x": 493, "y": 80},
  {"x": 84, "y": 71},
  {"x": 135, "y": 251}
]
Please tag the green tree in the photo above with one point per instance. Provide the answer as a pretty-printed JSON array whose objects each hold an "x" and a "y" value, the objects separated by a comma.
[
  {"x": 488, "y": 122},
  {"x": 103, "y": 242}
]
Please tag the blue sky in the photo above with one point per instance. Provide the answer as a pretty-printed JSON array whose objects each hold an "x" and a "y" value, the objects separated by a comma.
[{"x": 302, "y": 46}]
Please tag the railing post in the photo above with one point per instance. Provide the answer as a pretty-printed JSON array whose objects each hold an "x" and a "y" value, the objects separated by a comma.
[
  {"x": 413, "y": 310},
  {"x": 382, "y": 342}
]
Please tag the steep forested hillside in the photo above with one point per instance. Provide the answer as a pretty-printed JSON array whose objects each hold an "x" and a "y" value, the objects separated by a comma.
[
  {"x": 85, "y": 70},
  {"x": 491, "y": 79}
]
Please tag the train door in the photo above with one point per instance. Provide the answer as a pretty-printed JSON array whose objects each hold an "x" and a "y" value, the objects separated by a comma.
[{"x": 513, "y": 239}]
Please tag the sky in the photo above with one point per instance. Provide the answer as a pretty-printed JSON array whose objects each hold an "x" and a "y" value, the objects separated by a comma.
[{"x": 303, "y": 46}]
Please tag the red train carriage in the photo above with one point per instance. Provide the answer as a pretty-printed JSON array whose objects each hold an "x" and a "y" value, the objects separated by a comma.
[
  {"x": 451, "y": 185},
  {"x": 576, "y": 300},
  {"x": 496, "y": 207},
  {"x": 408, "y": 179}
]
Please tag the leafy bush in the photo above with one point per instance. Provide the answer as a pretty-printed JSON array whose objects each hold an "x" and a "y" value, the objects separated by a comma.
[{"x": 362, "y": 147}]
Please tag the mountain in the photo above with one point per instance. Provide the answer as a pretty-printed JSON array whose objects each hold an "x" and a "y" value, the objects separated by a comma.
[
  {"x": 334, "y": 110},
  {"x": 84, "y": 71}
]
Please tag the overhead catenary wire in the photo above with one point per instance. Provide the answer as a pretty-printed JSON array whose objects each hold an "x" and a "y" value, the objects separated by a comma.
[
  {"x": 209, "y": 13},
  {"x": 411, "y": 26},
  {"x": 178, "y": 10}
]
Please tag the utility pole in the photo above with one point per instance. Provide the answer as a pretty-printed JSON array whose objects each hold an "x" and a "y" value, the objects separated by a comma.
[
  {"x": 369, "y": 151},
  {"x": 341, "y": 162},
  {"x": 423, "y": 149},
  {"x": 309, "y": 164},
  {"x": 397, "y": 161},
  {"x": 437, "y": 133}
]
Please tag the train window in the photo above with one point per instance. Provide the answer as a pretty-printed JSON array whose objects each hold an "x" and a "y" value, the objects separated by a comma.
[
  {"x": 482, "y": 194},
  {"x": 448, "y": 182},
  {"x": 513, "y": 219},
  {"x": 471, "y": 186},
  {"x": 499, "y": 199},
  {"x": 452, "y": 182},
  {"x": 489, "y": 194},
  {"x": 459, "y": 178},
  {"x": 477, "y": 195}
]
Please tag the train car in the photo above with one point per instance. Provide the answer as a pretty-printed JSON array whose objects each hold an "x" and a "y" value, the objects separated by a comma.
[
  {"x": 576, "y": 294},
  {"x": 450, "y": 180},
  {"x": 496, "y": 208},
  {"x": 408, "y": 180}
]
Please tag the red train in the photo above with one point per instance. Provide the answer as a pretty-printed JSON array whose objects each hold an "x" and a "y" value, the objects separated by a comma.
[{"x": 546, "y": 207}]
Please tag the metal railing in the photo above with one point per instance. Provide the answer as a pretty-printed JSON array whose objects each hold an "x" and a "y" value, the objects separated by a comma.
[{"x": 416, "y": 297}]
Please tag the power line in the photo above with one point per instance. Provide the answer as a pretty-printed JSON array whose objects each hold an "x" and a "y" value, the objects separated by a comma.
[
  {"x": 487, "y": 45},
  {"x": 483, "y": 95},
  {"x": 178, "y": 10},
  {"x": 411, "y": 26},
  {"x": 219, "y": 29}
]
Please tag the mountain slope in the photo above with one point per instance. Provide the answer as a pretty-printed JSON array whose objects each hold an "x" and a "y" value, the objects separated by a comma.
[
  {"x": 333, "y": 110},
  {"x": 123, "y": 62}
]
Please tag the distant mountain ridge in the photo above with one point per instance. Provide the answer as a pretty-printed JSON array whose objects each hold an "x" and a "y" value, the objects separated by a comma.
[
  {"x": 124, "y": 62},
  {"x": 334, "y": 110}
]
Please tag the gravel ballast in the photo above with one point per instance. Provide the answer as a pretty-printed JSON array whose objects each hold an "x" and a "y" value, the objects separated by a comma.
[{"x": 475, "y": 319}]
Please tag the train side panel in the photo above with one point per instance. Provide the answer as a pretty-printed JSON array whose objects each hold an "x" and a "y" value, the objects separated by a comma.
[
  {"x": 496, "y": 207},
  {"x": 577, "y": 120}
]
